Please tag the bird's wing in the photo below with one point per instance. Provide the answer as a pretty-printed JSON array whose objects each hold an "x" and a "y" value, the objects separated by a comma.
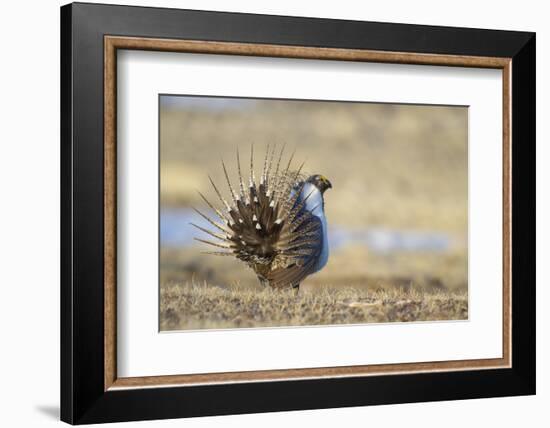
[{"x": 301, "y": 255}]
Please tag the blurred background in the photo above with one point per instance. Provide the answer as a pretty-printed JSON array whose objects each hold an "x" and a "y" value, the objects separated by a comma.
[{"x": 398, "y": 210}]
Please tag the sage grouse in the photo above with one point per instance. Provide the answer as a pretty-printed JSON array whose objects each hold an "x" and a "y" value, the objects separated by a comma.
[{"x": 277, "y": 226}]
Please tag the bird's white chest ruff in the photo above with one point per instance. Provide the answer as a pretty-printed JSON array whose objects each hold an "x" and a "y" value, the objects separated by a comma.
[{"x": 315, "y": 205}]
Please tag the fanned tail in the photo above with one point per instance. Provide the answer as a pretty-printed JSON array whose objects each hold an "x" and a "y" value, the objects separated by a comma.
[{"x": 265, "y": 226}]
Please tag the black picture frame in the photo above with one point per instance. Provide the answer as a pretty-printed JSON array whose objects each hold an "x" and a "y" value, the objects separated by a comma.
[{"x": 83, "y": 398}]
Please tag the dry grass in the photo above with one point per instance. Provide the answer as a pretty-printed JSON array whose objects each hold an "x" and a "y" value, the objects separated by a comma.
[{"x": 190, "y": 305}]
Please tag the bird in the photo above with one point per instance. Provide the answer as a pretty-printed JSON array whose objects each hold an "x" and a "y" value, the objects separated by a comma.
[{"x": 275, "y": 225}]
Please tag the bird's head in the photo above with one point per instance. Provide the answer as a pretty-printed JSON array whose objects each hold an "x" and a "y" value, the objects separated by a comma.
[{"x": 320, "y": 181}]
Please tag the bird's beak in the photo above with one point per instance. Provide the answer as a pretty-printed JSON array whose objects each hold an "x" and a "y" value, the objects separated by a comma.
[{"x": 326, "y": 182}]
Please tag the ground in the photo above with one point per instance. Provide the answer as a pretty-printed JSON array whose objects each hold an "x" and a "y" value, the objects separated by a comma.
[{"x": 187, "y": 306}]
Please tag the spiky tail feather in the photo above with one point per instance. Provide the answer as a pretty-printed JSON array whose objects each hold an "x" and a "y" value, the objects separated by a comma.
[{"x": 263, "y": 225}]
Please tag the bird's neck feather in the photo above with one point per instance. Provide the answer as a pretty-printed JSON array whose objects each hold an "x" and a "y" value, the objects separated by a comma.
[{"x": 315, "y": 202}]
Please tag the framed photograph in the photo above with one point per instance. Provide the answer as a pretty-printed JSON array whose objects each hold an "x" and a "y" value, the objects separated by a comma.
[{"x": 265, "y": 213}]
